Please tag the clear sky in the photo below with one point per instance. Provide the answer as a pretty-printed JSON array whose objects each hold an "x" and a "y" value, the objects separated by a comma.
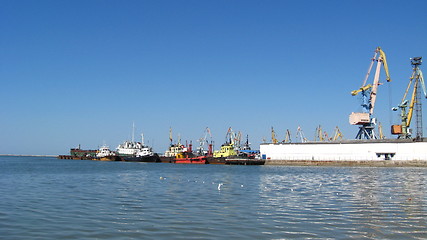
[{"x": 81, "y": 72}]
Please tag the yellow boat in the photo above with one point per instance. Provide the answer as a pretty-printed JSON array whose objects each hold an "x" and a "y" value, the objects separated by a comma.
[{"x": 226, "y": 150}]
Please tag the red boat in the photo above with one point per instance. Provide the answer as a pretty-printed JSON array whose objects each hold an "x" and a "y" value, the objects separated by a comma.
[{"x": 190, "y": 158}]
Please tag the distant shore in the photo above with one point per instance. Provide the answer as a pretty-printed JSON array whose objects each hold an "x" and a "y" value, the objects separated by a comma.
[{"x": 25, "y": 155}]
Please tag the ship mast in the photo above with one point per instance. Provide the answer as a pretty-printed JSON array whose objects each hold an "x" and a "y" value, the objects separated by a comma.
[{"x": 133, "y": 132}]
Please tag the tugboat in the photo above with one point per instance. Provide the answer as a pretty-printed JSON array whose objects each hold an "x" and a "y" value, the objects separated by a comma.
[
  {"x": 227, "y": 149},
  {"x": 189, "y": 157},
  {"x": 105, "y": 154}
]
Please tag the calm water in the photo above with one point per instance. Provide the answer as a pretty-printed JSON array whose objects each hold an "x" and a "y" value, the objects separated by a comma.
[{"x": 48, "y": 198}]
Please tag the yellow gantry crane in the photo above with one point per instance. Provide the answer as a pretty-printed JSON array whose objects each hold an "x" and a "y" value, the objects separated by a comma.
[
  {"x": 416, "y": 82},
  {"x": 369, "y": 96}
]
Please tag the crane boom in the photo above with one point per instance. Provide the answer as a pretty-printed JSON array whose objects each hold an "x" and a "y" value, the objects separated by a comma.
[
  {"x": 382, "y": 55},
  {"x": 381, "y": 61}
]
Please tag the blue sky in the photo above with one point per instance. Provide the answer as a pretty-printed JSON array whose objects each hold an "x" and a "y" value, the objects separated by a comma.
[{"x": 81, "y": 72}]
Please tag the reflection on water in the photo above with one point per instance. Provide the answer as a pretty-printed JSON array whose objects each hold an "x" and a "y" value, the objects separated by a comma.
[
  {"x": 47, "y": 198},
  {"x": 346, "y": 202}
]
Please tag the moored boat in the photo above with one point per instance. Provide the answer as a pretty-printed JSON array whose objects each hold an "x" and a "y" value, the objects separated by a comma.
[
  {"x": 132, "y": 151},
  {"x": 78, "y": 153},
  {"x": 188, "y": 156},
  {"x": 105, "y": 154}
]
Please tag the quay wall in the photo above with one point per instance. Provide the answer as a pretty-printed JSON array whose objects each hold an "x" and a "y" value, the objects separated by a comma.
[{"x": 346, "y": 153}]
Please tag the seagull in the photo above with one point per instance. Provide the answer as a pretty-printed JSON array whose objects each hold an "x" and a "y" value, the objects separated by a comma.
[{"x": 219, "y": 186}]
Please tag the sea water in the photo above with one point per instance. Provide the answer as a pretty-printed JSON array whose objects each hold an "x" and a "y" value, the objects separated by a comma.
[{"x": 49, "y": 198}]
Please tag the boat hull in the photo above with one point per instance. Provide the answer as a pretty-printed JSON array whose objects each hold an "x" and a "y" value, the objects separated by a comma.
[
  {"x": 191, "y": 160},
  {"x": 244, "y": 161},
  {"x": 216, "y": 160},
  {"x": 108, "y": 158},
  {"x": 164, "y": 159},
  {"x": 154, "y": 159}
]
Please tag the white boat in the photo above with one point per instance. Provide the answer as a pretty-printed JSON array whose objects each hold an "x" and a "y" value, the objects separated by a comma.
[
  {"x": 104, "y": 151},
  {"x": 136, "y": 151},
  {"x": 133, "y": 148}
]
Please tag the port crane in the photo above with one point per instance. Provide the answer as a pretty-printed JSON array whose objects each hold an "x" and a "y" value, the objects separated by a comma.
[
  {"x": 171, "y": 138},
  {"x": 231, "y": 138},
  {"x": 369, "y": 95},
  {"x": 416, "y": 82},
  {"x": 300, "y": 134},
  {"x": 320, "y": 135},
  {"x": 201, "y": 150},
  {"x": 337, "y": 134},
  {"x": 238, "y": 139},
  {"x": 288, "y": 138},
  {"x": 273, "y": 136}
]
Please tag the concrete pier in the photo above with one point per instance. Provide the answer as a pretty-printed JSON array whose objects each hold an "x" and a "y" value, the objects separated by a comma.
[{"x": 358, "y": 163}]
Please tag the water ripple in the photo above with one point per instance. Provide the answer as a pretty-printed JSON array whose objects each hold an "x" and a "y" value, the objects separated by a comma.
[{"x": 46, "y": 198}]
